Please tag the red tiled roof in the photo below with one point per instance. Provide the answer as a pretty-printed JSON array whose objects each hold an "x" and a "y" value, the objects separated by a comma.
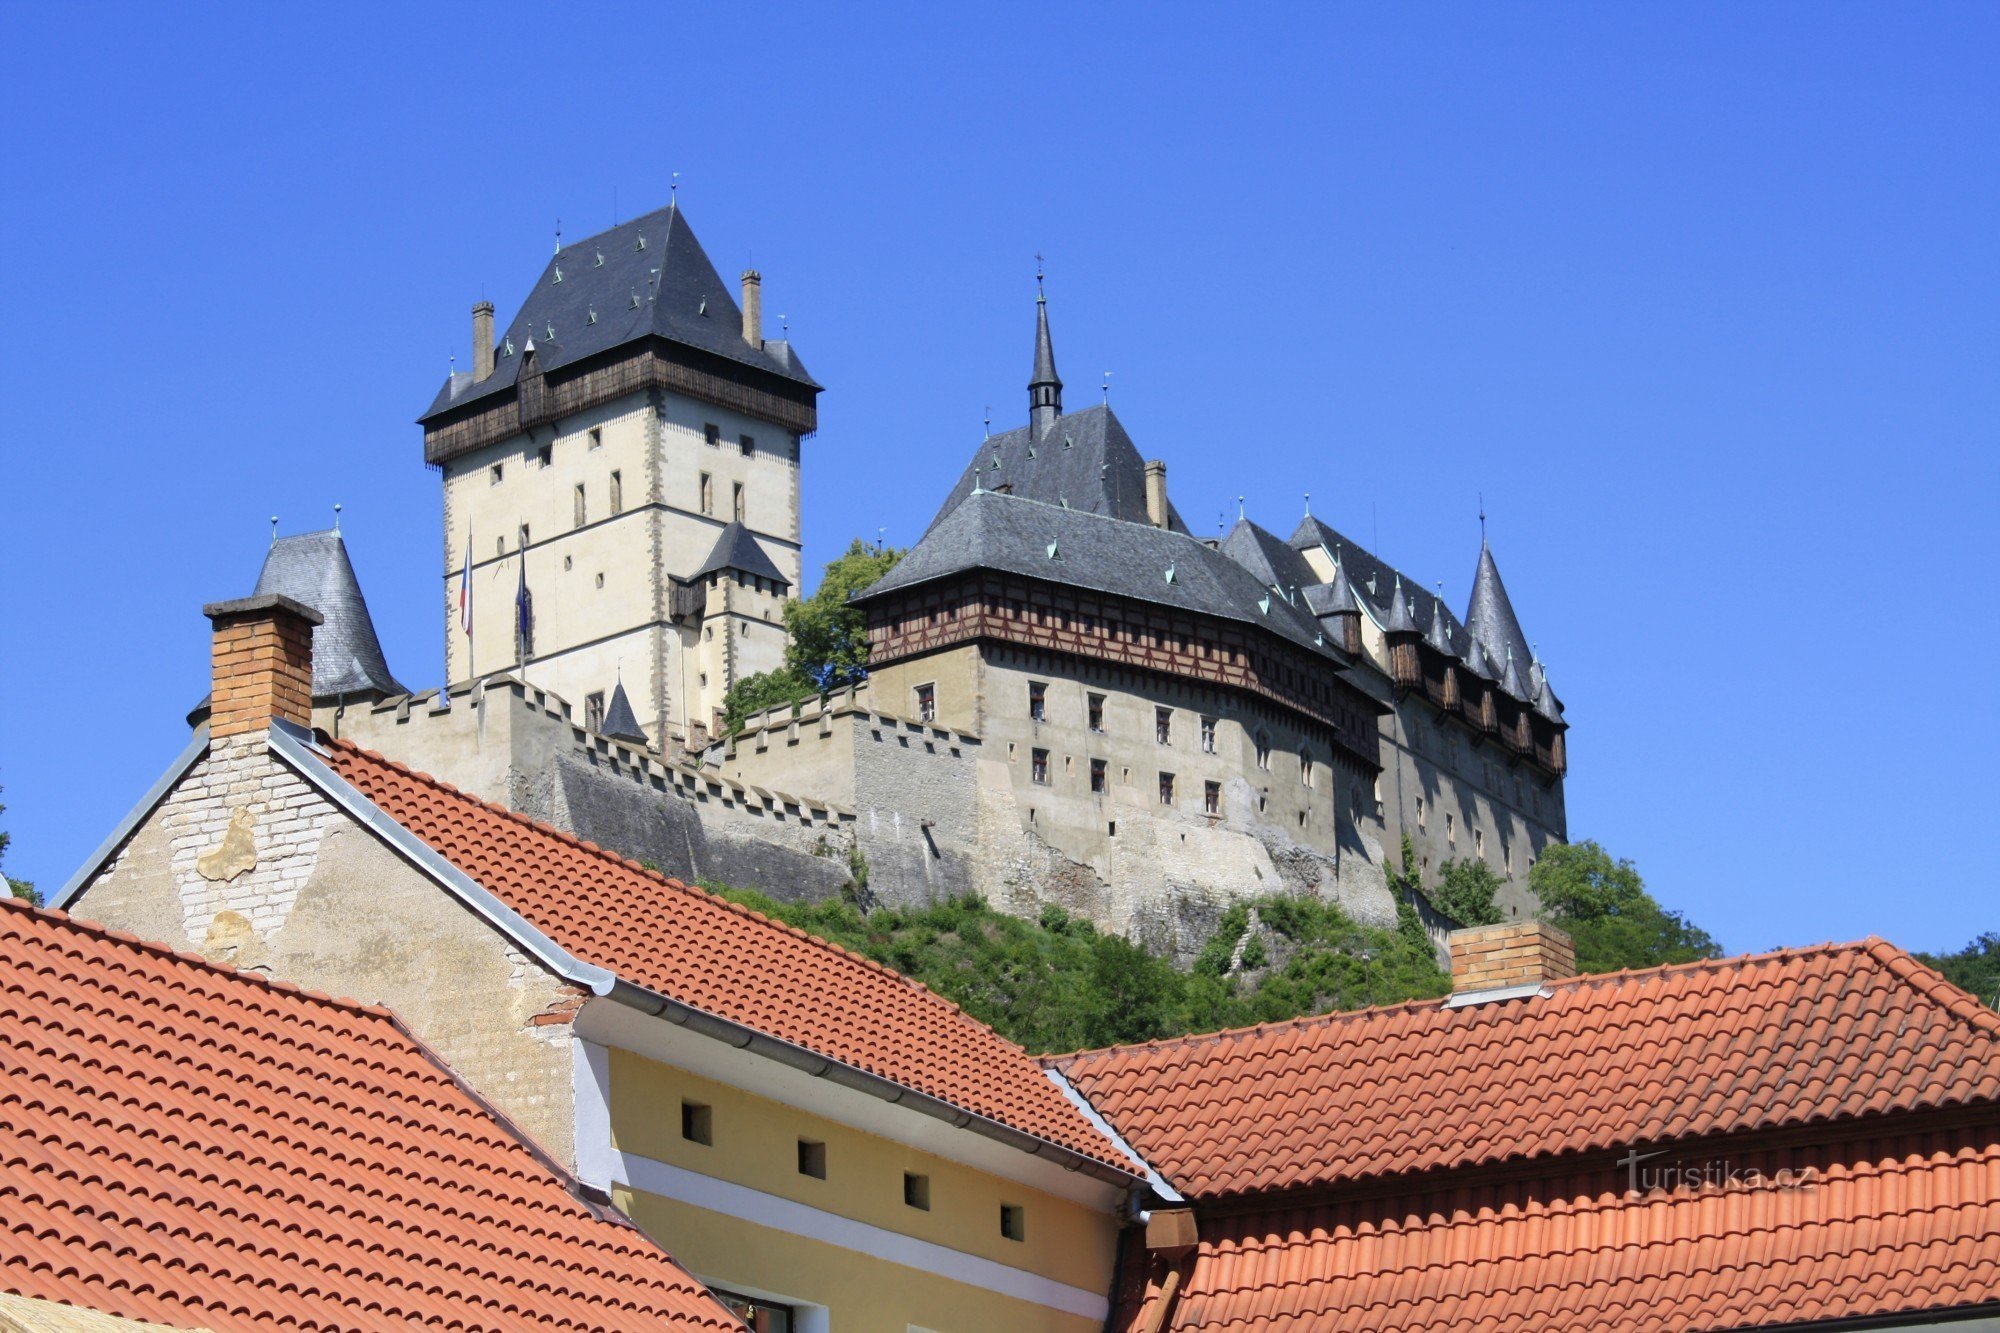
[
  {"x": 1791, "y": 1038},
  {"x": 1897, "y": 1223},
  {"x": 716, "y": 956},
  {"x": 190, "y": 1145}
]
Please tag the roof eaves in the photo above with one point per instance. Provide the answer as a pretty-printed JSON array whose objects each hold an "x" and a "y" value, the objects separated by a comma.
[
  {"x": 196, "y": 748},
  {"x": 297, "y": 749},
  {"x": 1158, "y": 1182}
]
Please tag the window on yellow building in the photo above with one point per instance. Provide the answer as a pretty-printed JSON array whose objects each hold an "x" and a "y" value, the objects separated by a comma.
[
  {"x": 917, "y": 1190},
  {"x": 758, "y": 1314},
  {"x": 812, "y": 1158},
  {"x": 1013, "y": 1221},
  {"x": 926, "y": 703},
  {"x": 697, "y": 1123},
  {"x": 736, "y": 501}
]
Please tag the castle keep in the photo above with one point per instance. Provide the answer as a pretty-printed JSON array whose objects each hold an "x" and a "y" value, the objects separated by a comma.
[{"x": 1072, "y": 698}]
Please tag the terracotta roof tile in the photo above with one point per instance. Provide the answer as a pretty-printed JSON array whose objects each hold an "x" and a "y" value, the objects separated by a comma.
[
  {"x": 1897, "y": 1223},
  {"x": 716, "y": 956},
  {"x": 1789, "y": 1038},
  {"x": 189, "y": 1145}
]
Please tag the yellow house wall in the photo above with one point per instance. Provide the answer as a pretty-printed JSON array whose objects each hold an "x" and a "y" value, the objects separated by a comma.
[{"x": 756, "y": 1145}]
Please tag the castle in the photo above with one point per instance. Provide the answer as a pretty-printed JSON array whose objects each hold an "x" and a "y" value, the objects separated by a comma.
[{"x": 1072, "y": 698}]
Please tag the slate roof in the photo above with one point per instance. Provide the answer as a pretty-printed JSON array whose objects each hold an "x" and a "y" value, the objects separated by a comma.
[
  {"x": 1275, "y": 564},
  {"x": 620, "y": 722},
  {"x": 603, "y": 275},
  {"x": 735, "y": 548},
  {"x": 195, "y": 1146},
  {"x": 313, "y": 568},
  {"x": 1340, "y": 1141},
  {"x": 712, "y": 955},
  {"x": 1010, "y": 533},
  {"x": 1490, "y": 616},
  {"x": 1085, "y": 459},
  {"x": 1374, "y": 580}
]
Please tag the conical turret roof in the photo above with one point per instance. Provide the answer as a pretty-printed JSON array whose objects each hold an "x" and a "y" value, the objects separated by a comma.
[
  {"x": 313, "y": 568},
  {"x": 1489, "y": 618},
  {"x": 620, "y": 723},
  {"x": 1438, "y": 635},
  {"x": 1399, "y": 620}
]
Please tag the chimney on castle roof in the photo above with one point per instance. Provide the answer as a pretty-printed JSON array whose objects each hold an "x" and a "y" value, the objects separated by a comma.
[
  {"x": 482, "y": 340},
  {"x": 753, "y": 307},
  {"x": 1156, "y": 493},
  {"x": 1511, "y": 959},
  {"x": 260, "y": 664}
]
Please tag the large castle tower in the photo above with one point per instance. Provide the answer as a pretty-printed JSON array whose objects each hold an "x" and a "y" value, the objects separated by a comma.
[{"x": 621, "y": 473}]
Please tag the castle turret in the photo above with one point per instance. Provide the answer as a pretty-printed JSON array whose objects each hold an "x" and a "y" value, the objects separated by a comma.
[
  {"x": 1490, "y": 622},
  {"x": 1045, "y": 389}
]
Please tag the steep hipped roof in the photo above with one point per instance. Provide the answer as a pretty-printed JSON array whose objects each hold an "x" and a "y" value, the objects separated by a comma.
[
  {"x": 645, "y": 278},
  {"x": 1086, "y": 460},
  {"x": 736, "y": 549},
  {"x": 1046, "y": 541},
  {"x": 620, "y": 722},
  {"x": 191, "y": 1145},
  {"x": 659, "y": 934},
  {"x": 1796, "y": 1037},
  {"x": 313, "y": 568},
  {"x": 1489, "y": 617},
  {"x": 1275, "y": 564}
]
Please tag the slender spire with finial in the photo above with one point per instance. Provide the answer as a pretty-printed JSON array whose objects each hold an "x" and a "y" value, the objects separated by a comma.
[
  {"x": 1239, "y": 509},
  {"x": 989, "y": 421},
  {"x": 1309, "y": 504},
  {"x": 1045, "y": 389},
  {"x": 558, "y": 235},
  {"x": 274, "y": 529},
  {"x": 1482, "y": 518},
  {"x": 336, "y": 516}
]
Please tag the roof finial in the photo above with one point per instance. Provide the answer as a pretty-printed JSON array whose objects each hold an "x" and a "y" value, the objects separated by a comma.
[
  {"x": 1309, "y": 504},
  {"x": 1482, "y": 518},
  {"x": 336, "y": 516},
  {"x": 274, "y": 529},
  {"x": 1039, "y": 294},
  {"x": 1107, "y": 388},
  {"x": 1239, "y": 509},
  {"x": 674, "y": 191},
  {"x": 989, "y": 421},
  {"x": 881, "y": 539},
  {"x": 785, "y": 326},
  {"x": 558, "y": 235}
]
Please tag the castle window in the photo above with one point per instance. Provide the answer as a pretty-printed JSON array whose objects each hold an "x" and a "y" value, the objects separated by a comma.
[
  {"x": 1100, "y": 779},
  {"x": 1038, "y": 701},
  {"x": 1163, "y": 725},
  {"x": 597, "y": 437},
  {"x": 524, "y": 536},
  {"x": 578, "y": 507},
  {"x": 1263, "y": 800},
  {"x": 593, "y": 711},
  {"x": 747, "y": 443},
  {"x": 494, "y": 473},
  {"x": 1038, "y": 766},
  {"x": 812, "y": 1158},
  {"x": 926, "y": 703},
  {"x": 707, "y": 493},
  {"x": 1166, "y": 789},
  {"x": 1263, "y": 749},
  {"x": 545, "y": 455},
  {"x": 1095, "y": 708},
  {"x": 600, "y": 580},
  {"x": 568, "y": 564},
  {"x": 1421, "y": 828},
  {"x": 1450, "y": 830},
  {"x": 697, "y": 1123},
  {"x": 1479, "y": 843},
  {"x": 617, "y": 492},
  {"x": 711, "y": 433},
  {"x": 499, "y": 546},
  {"x": 1208, "y": 735},
  {"x": 1506, "y": 857},
  {"x": 917, "y": 1190},
  {"x": 1013, "y": 1221},
  {"x": 736, "y": 501},
  {"x": 1305, "y": 768},
  {"x": 1211, "y": 797},
  {"x": 755, "y": 1312},
  {"x": 1302, "y": 819}
]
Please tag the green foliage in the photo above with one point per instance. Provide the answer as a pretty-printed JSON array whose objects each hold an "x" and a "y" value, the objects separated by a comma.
[
  {"x": 1057, "y": 983},
  {"x": 1604, "y": 906},
  {"x": 1465, "y": 892},
  {"x": 20, "y": 888},
  {"x": 1974, "y": 969},
  {"x": 827, "y": 640}
]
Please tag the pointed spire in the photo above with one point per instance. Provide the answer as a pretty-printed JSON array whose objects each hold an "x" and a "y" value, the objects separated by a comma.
[
  {"x": 1400, "y": 621},
  {"x": 1438, "y": 636},
  {"x": 1476, "y": 661},
  {"x": 620, "y": 722},
  {"x": 1339, "y": 599},
  {"x": 1045, "y": 389},
  {"x": 1510, "y": 679},
  {"x": 1545, "y": 697},
  {"x": 1489, "y": 618}
]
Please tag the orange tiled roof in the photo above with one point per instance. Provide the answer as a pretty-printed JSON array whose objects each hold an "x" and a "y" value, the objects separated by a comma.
[
  {"x": 714, "y": 955},
  {"x": 185, "y": 1144},
  {"x": 1893, "y": 1223},
  {"x": 1791, "y": 1038}
]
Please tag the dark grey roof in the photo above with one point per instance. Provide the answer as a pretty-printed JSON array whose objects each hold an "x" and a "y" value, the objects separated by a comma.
[
  {"x": 1334, "y": 599},
  {"x": 1438, "y": 635},
  {"x": 313, "y": 568},
  {"x": 1510, "y": 678},
  {"x": 620, "y": 723},
  {"x": 1086, "y": 459},
  {"x": 612, "y": 292},
  {"x": 1398, "y": 620},
  {"x": 1028, "y": 537},
  {"x": 1275, "y": 564},
  {"x": 1545, "y": 700},
  {"x": 1374, "y": 581},
  {"x": 736, "y": 549},
  {"x": 1045, "y": 350},
  {"x": 1490, "y": 619}
]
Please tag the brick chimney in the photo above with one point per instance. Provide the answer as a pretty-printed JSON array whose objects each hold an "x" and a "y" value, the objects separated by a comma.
[
  {"x": 482, "y": 340},
  {"x": 260, "y": 664},
  {"x": 1510, "y": 956},
  {"x": 1156, "y": 493},
  {"x": 753, "y": 307}
]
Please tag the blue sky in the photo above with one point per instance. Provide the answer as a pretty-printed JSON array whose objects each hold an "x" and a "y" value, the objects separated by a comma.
[{"x": 1703, "y": 299}]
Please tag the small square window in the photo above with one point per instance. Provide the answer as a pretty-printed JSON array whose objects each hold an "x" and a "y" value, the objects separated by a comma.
[
  {"x": 1038, "y": 702},
  {"x": 494, "y": 473},
  {"x": 597, "y": 437},
  {"x": 593, "y": 711},
  {"x": 524, "y": 536},
  {"x": 917, "y": 1190},
  {"x": 711, "y": 433},
  {"x": 697, "y": 1123},
  {"x": 747, "y": 443},
  {"x": 926, "y": 703},
  {"x": 1100, "y": 780},
  {"x": 1013, "y": 1221},
  {"x": 1111, "y": 829},
  {"x": 545, "y": 455},
  {"x": 812, "y": 1158},
  {"x": 579, "y": 508},
  {"x": 1038, "y": 766}
]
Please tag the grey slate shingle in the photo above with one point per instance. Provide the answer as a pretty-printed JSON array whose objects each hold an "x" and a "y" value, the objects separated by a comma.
[
  {"x": 736, "y": 549},
  {"x": 313, "y": 568},
  {"x": 1086, "y": 459}
]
